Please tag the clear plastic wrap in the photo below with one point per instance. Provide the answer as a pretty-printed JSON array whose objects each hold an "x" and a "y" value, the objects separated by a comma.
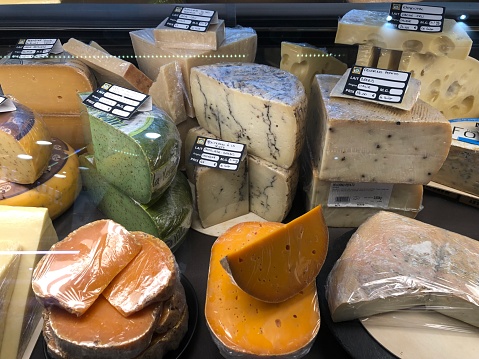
[{"x": 392, "y": 262}]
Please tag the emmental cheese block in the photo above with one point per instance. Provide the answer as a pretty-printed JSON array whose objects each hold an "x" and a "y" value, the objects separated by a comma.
[
  {"x": 244, "y": 326},
  {"x": 24, "y": 311},
  {"x": 25, "y": 145},
  {"x": 277, "y": 266},
  {"x": 258, "y": 105},
  {"x": 356, "y": 141},
  {"x": 392, "y": 262},
  {"x": 305, "y": 61},
  {"x": 109, "y": 68},
  {"x": 364, "y": 27}
]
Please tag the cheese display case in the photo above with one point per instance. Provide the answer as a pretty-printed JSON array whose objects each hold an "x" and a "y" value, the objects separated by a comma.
[{"x": 237, "y": 179}]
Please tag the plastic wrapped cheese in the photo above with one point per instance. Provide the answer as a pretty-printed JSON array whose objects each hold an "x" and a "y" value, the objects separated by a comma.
[{"x": 393, "y": 262}]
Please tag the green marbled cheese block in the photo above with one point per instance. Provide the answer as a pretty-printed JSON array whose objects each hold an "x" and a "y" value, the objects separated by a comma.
[{"x": 168, "y": 217}]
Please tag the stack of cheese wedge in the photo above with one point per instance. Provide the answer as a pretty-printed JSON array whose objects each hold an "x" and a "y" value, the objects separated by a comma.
[
  {"x": 261, "y": 297},
  {"x": 107, "y": 292}
]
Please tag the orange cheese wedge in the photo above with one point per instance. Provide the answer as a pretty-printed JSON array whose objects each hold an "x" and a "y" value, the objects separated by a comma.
[
  {"x": 243, "y": 325},
  {"x": 276, "y": 266}
]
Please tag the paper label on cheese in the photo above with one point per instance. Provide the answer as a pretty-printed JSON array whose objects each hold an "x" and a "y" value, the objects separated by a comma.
[
  {"x": 422, "y": 18},
  {"x": 342, "y": 194},
  {"x": 191, "y": 19},
  {"x": 377, "y": 84},
  {"x": 466, "y": 130},
  {"x": 36, "y": 48},
  {"x": 215, "y": 153}
]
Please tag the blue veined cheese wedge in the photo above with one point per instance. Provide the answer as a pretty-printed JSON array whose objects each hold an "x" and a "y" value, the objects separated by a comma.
[
  {"x": 140, "y": 156},
  {"x": 168, "y": 217}
]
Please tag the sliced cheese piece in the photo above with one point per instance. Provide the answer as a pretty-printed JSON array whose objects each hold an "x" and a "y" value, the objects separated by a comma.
[
  {"x": 410, "y": 95},
  {"x": 367, "y": 56},
  {"x": 275, "y": 267},
  {"x": 47, "y": 86},
  {"x": 25, "y": 145},
  {"x": 364, "y": 27},
  {"x": 168, "y": 91},
  {"x": 183, "y": 129},
  {"x": 24, "y": 311},
  {"x": 140, "y": 155},
  {"x": 102, "y": 332},
  {"x": 94, "y": 254},
  {"x": 305, "y": 61},
  {"x": 393, "y": 262},
  {"x": 168, "y": 217},
  {"x": 258, "y": 105},
  {"x": 108, "y": 68},
  {"x": 176, "y": 38},
  {"x": 356, "y": 141},
  {"x": 239, "y": 45},
  {"x": 389, "y": 59},
  {"x": 445, "y": 83},
  {"x": 56, "y": 189},
  {"x": 150, "y": 277},
  {"x": 244, "y": 326},
  {"x": 67, "y": 128}
]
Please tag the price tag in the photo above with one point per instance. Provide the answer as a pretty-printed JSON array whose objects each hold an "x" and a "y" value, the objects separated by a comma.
[
  {"x": 422, "y": 18},
  {"x": 377, "y": 84},
  {"x": 466, "y": 130},
  {"x": 342, "y": 194},
  {"x": 191, "y": 19},
  {"x": 219, "y": 154},
  {"x": 36, "y": 48},
  {"x": 118, "y": 101}
]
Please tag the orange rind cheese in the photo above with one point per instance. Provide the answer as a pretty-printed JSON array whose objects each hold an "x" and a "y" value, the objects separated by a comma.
[{"x": 277, "y": 266}]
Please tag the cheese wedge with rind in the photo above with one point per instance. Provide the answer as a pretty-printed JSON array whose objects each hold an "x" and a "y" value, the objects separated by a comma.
[{"x": 276, "y": 267}]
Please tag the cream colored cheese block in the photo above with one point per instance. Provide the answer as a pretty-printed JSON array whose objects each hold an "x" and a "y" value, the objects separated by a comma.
[
  {"x": 183, "y": 128},
  {"x": 364, "y": 27},
  {"x": 393, "y": 262},
  {"x": 175, "y": 38},
  {"x": 168, "y": 91},
  {"x": 367, "y": 56},
  {"x": 389, "y": 59},
  {"x": 357, "y": 141},
  {"x": 258, "y": 105},
  {"x": 305, "y": 61},
  {"x": 24, "y": 311},
  {"x": 108, "y": 68},
  {"x": 47, "y": 86},
  {"x": 372, "y": 56},
  {"x": 410, "y": 96}
]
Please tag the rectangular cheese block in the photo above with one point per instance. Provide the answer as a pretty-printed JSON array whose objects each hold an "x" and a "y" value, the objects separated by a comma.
[
  {"x": 260, "y": 106},
  {"x": 372, "y": 56},
  {"x": 47, "y": 86},
  {"x": 356, "y": 141},
  {"x": 24, "y": 311},
  {"x": 109, "y": 68},
  {"x": 304, "y": 61},
  {"x": 364, "y": 27},
  {"x": 367, "y": 56},
  {"x": 393, "y": 262},
  {"x": 176, "y": 38}
]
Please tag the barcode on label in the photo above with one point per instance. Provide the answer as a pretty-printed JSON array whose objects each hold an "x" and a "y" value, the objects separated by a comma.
[{"x": 343, "y": 199}]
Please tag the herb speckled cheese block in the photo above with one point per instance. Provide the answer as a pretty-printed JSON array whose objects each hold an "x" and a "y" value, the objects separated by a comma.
[
  {"x": 139, "y": 156},
  {"x": 364, "y": 27},
  {"x": 356, "y": 141},
  {"x": 258, "y": 105},
  {"x": 25, "y": 145},
  {"x": 168, "y": 217}
]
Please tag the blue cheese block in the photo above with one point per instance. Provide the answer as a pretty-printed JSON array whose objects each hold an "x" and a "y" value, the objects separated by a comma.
[
  {"x": 140, "y": 156},
  {"x": 167, "y": 218}
]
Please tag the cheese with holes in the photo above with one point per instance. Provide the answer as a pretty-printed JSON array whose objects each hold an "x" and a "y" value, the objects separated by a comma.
[
  {"x": 25, "y": 145},
  {"x": 24, "y": 311},
  {"x": 47, "y": 86},
  {"x": 305, "y": 61},
  {"x": 177, "y": 38},
  {"x": 364, "y": 27},
  {"x": 109, "y": 68},
  {"x": 357, "y": 141},
  {"x": 168, "y": 92},
  {"x": 139, "y": 155},
  {"x": 258, "y": 105},
  {"x": 275, "y": 267},
  {"x": 393, "y": 262},
  {"x": 56, "y": 189},
  {"x": 98, "y": 250},
  {"x": 242, "y": 325}
]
